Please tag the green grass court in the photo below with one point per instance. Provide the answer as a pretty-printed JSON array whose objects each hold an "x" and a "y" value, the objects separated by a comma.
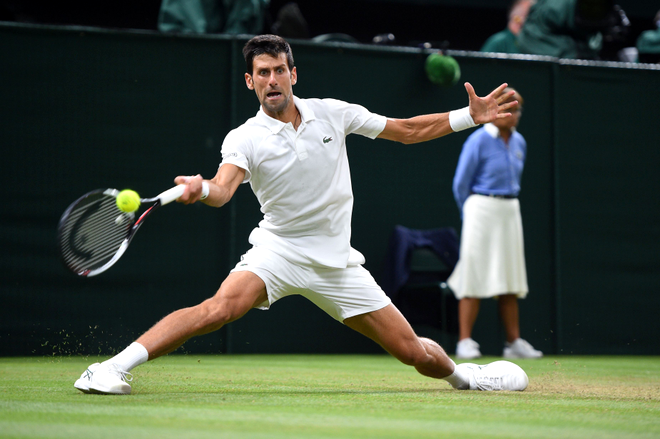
[{"x": 329, "y": 396}]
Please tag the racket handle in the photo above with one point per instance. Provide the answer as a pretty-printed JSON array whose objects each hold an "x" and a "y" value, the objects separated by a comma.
[{"x": 171, "y": 194}]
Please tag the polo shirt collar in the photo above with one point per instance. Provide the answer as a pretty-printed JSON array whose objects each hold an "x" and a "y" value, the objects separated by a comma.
[
  {"x": 306, "y": 114},
  {"x": 493, "y": 131},
  {"x": 275, "y": 126}
]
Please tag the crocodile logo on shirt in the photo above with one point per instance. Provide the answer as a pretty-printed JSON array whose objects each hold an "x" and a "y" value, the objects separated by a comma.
[{"x": 327, "y": 139}]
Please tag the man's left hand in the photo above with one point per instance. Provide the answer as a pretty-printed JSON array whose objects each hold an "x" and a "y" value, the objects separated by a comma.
[{"x": 492, "y": 107}]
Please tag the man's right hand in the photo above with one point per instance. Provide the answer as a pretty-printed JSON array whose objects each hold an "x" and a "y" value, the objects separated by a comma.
[{"x": 193, "y": 192}]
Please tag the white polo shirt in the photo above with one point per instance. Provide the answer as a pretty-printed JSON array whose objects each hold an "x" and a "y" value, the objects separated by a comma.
[{"x": 302, "y": 179}]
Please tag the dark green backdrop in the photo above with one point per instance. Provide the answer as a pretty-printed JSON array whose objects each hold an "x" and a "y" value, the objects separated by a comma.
[{"x": 84, "y": 109}]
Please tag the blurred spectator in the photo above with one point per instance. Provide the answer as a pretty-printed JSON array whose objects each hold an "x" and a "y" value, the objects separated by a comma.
[
  {"x": 648, "y": 43},
  {"x": 290, "y": 22},
  {"x": 492, "y": 257},
  {"x": 573, "y": 28},
  {"x": 505, "y": 41},
  {"x": 213, "y": 16}
]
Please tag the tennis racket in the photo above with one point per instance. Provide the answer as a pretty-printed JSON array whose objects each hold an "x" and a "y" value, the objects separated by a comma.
[{"x": 93, "y": 233}]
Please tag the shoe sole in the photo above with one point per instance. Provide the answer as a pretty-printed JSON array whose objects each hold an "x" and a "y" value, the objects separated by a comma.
[
  {"x": 84, "y": 388},
  {"x": 82, "y": 385},
  {"x": 124, "y": 390}
]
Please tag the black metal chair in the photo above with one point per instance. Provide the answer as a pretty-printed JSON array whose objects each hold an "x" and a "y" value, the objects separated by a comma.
[{"x": 417, "y": 267}]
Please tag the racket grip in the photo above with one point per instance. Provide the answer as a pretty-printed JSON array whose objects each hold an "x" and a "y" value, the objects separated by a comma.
[{"x": 171, "y": 194}]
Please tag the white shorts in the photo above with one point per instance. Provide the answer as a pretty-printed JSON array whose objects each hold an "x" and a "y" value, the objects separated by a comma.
[{"x": 340, "y": 292}]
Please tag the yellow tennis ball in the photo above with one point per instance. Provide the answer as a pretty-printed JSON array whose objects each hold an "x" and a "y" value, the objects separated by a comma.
[{"x": 128, "y": 201}]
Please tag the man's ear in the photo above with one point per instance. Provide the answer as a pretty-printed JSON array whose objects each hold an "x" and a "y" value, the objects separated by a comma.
[
  {"x": 248, "y": 81},
  {"x": 294, "y": 76}
]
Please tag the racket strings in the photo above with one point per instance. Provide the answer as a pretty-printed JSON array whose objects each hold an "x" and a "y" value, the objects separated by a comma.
[{"x": 93, "y": 232}]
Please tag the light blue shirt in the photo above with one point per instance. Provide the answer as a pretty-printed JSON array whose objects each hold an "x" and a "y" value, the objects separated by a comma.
[{"x": 487, "y": 165}]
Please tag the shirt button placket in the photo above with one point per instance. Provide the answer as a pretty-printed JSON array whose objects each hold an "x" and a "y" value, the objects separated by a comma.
[{"x": 299, "y": 144}]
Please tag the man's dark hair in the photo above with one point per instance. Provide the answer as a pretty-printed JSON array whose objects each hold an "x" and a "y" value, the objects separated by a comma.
[{"x": 272, "y": 45}]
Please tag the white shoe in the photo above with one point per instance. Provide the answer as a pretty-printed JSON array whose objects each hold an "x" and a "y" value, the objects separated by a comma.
[
  {"x": 520, "y": 349},
  {"x": 82, "y": 383},
  {"x": 467, "y": 349},
  {"x": 105, "y": 379},
  {"x": 499, "y": 375}
]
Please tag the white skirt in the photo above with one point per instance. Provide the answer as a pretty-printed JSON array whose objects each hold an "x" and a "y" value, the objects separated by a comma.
[{"x": 492, "y": 254}]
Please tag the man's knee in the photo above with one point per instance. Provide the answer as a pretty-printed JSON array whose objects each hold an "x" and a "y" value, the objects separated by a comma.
[
  {"x": 221, "y": 309},
  {"x": 214, "y": 310},
  {"x": 412, "y": 354},
  {"x": 231, "y": 302}
]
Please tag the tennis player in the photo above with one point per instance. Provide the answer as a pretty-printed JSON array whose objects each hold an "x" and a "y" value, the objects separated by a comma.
[{"x": 293, "y": 154}]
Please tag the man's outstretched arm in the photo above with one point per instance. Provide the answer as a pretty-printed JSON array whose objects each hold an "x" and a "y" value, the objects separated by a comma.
[{"x": 431, "y": 126}]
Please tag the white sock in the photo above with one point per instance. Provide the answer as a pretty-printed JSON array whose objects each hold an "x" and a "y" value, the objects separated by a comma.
[
  {"x": 134, "y": 355},
  {"x": 457, "y": 379}
]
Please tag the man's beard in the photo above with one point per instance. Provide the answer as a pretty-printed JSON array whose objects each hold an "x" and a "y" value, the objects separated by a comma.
[{"x": 278, "y": 108}]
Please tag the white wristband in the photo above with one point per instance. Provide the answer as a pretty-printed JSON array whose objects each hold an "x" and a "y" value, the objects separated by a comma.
[
  {"x": 205, "y": 190},
  {"x": 460, "y": 120}
]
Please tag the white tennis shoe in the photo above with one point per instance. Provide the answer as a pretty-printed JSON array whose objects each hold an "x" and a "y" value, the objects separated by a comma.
[
  {"x": 499, "y": 375},
  {"x": 105, "y": 379},
  {"x": 520, "y": 349},
  {"x": 467, "y": 349}
]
